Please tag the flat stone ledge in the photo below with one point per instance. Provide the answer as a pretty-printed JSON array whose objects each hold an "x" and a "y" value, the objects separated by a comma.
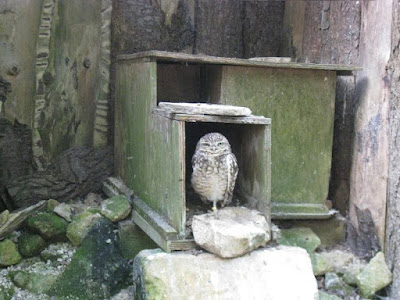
[{"x": 269, "y": 273}]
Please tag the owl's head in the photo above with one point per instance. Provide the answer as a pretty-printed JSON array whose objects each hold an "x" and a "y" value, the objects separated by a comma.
[{"x": 214, "y": 143}]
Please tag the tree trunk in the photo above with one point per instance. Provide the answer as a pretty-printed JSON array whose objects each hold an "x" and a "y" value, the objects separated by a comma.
[
  {"x": 75, "y": 173},
  {"x": 393, "y": 201}
]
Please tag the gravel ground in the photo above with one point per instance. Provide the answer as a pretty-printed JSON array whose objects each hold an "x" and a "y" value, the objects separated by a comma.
[{"x": 35, "y": 265}]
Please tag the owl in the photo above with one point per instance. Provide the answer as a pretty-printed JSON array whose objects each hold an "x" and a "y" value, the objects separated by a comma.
[{"x": 214, "y": 169}]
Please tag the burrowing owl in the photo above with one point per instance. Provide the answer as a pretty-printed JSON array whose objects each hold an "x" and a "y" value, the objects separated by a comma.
[{"x": 214, "y": 169}]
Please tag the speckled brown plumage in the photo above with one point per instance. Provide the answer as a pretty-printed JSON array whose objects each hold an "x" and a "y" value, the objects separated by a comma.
[{"x": 214, "y": 169}]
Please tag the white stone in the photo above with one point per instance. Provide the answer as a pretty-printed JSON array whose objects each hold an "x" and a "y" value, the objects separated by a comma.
[
  {"x": 64, "y": 210},
  {"x": 204, "y": 109},
  {"x": 282, "y": 273},
  {"x": 231, "y": 231}
]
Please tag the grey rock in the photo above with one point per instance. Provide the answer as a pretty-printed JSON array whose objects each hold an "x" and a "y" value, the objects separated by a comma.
[
  {"x": 352, "y": 271},
  {"x": 93, "y": 200},
  {"x": 275, "y": 233},
  {"x": 339, "y": 259},
  {"x": 273, "y": 273},
  {"x": 375, "y": 276},
  {"x": 231, "y": 231},
  {"x": 334, "y": 284},
  {"x": 64, "y": 210}
]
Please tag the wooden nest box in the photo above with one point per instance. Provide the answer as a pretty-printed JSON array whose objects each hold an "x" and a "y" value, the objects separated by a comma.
[
  {"x": 155, "y": 141},
  {"x": 153, "y": 146}
]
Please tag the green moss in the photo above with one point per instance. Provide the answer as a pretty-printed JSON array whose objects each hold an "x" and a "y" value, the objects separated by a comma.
[
  {"x": 51, "y": 205},
  {"x": 19, "y": 278},
  {"x": 81, "y": 225},
  {"x": 30, "y": 244},
  {"x": 300, "y": 237},
  {"x": 40, "y": 283},
  {"x": 48, "y": 225},
  {"x": 132, "y": 240},
  {"x": 97, "y": 269},
  {"x": 9, "y": 254},
  {"x": 320, "y": 264},
  {"x": 116, "y": 208}
]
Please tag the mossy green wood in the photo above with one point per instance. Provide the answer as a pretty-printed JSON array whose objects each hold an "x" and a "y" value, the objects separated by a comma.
[
  {"x": 254, "y": 179},
  {"x": 301, "y": 106},
  {"x": 148, "y": 155}
]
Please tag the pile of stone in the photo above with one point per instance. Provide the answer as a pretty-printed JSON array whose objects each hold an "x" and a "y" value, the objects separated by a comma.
[
  {"x": 97, "y": 269},
  {"x": 341, "y": 274},
  {"x": 237, "y": 264}
]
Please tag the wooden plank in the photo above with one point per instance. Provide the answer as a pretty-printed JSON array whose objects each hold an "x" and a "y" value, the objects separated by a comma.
[
  {"x": 113, "y": 186},
  {"x": 205, "y": 59},
  {"x": 255, "y": 168},
  {"x": 154, "y": 219},
  {"x": 182, "y": 245},
  {"x": 204, "y": 109},
  {"x": 301, "y": 104},
  {"x": 145, "y": 144},
  {"x": 256, "y": 120},
  {"x": 150, "y": 231}
]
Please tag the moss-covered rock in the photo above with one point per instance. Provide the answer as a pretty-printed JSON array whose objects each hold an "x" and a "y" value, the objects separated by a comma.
[
  {"x": 4, "y": 217},
  {"x": 40, "y": 283},
  {"x": 116, "y": 208},
  {"x": 9, "y": 254},
  {"x": 81, "y": 225},
  {"x": 48, "y": 225},
  {"x": 320, "y": 264},
  {"x": 335, "y": 284},
  {"x": 97, "y": 269},
  {"x": 326, "y": 296},
  {"x": 351, "y": 273},
  {"x": 51, "y": 204},
  {"x": 301, "y": 237},
  {"x": 19, "y": 278},
  {"x": 375, "y": 276},
  {"x": 30, "y": 244}
]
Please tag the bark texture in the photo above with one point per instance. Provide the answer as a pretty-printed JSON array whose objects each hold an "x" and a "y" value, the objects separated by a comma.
[
  {"x": 230, "y": 28},
  {"x": 75, "y": 173},
  {"x": 393, "y": 201}
]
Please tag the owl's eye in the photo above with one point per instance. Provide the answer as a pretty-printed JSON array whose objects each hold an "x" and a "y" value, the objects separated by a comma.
[
  {"x": 220, "y": 143},
  {"x": 206, "y": 144}
]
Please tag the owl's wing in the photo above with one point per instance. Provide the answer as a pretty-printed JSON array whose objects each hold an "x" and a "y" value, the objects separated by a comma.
[{"x": 232, "y": 171}]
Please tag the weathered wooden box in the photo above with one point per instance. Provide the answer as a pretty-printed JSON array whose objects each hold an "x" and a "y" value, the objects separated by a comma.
[{"x": 154, "y": 147}]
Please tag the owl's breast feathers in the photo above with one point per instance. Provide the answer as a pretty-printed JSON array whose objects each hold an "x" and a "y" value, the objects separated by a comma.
[{"x": 214, "y": 177}]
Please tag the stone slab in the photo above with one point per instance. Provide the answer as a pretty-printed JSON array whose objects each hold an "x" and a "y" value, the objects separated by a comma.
[
  {"x": 231, "y": 231},
  {"x": 273, "y": 274}
]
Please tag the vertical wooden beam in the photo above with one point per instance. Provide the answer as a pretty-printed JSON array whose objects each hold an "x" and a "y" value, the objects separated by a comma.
[{"x": 371, "y": 149}]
